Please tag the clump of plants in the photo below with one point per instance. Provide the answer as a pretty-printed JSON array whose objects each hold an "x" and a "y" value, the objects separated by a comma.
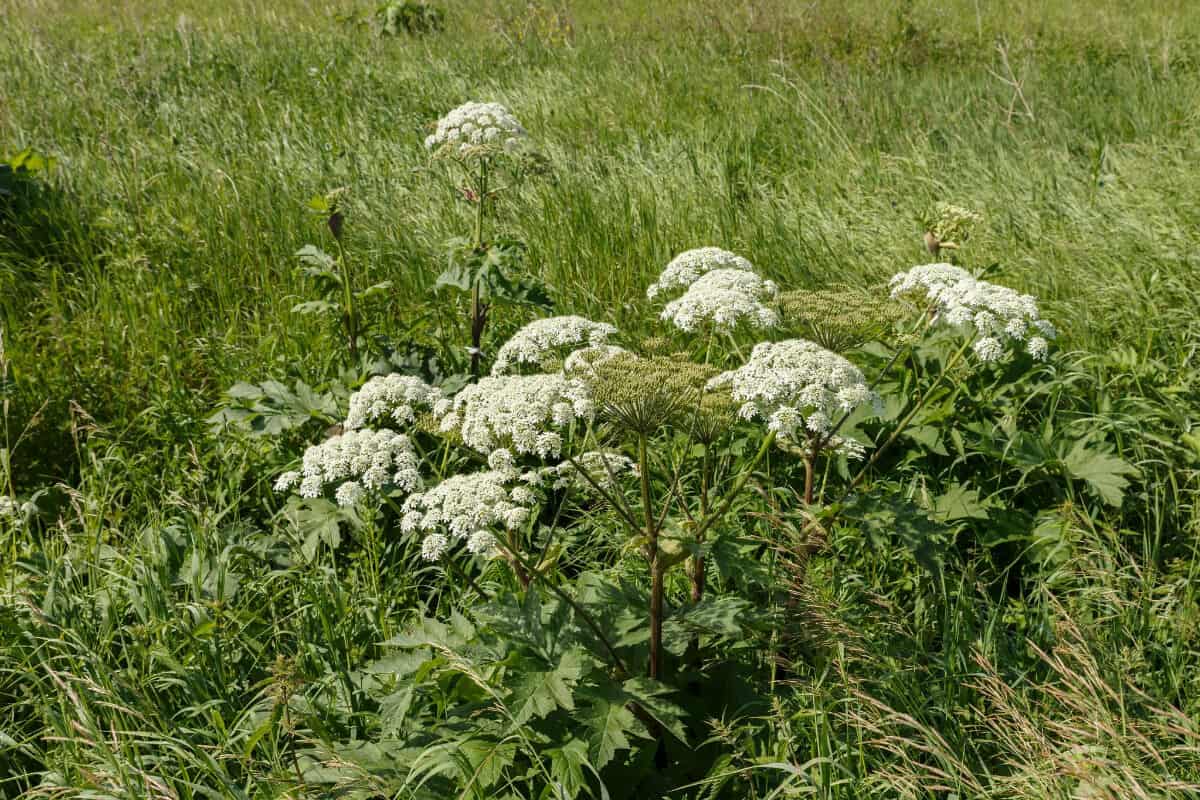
[{"x": 584, "y": 495}]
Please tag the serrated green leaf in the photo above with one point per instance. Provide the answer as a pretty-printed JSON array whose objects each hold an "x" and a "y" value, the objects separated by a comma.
[
  {"x": 651, "y": 695},
  {"x": 537, "y": 693},
  {"x": 1104, "y": 473},
  {"x": 609, "y": 723},
  {"x": 959, "y": 502}
]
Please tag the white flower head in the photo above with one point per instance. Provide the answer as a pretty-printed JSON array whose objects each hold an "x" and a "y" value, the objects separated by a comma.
[
  {"x": 687, "y": 267},
  {"x": 521, "y": 413},
  {"x": 797, "y": 387},
  {"x": 434, "y": 546},
  {"x": 724, "y": 298},
  {"x": 397, "y": 398},
  {"x": 545, "y": 337},
  {"x": 999, "y": 315},
  {"x": 354, "y": 462},
  {"x": 475, "y": 130},
  {"x": 464, "y": 506},
  {"x": 483, "y": 543}
]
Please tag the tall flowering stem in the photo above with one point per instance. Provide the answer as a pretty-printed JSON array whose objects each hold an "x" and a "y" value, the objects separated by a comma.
[
  {"x": 656, "y": 567},
  {"x": 479, "y": 309}
]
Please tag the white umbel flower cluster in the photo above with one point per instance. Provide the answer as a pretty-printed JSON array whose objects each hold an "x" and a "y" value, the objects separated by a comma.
[
  {"x": 544, "y": 337},
  {"x": 1000, "y": 316},
  {"x": 354, "y": 462},
  {"x": 799, "y": 388},
  {"x": 475, "y": 129},
  {"x": 523, "y": 413},
  {"x": 394, "y": 397},
  {"x": 687, "y": 267},
  {"x": 465, "y": 507},
  {"x": 724, "y": 298}
]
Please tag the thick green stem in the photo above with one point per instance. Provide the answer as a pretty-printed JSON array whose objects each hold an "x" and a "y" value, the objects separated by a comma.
[
  {"x": 656, "y": 568},
  {"x": 698, "y": 578}
]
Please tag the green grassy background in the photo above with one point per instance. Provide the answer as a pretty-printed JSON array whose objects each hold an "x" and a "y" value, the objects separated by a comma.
[
  {"x": 807, "y": 136},
  {"x": 157, "y": 267}
]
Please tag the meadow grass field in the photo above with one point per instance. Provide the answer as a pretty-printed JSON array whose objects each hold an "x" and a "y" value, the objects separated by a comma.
[{"x": 1013, "y": 613}]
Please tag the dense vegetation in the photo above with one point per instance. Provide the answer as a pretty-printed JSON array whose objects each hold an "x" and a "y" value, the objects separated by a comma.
[{"x": 220, "y": 220}]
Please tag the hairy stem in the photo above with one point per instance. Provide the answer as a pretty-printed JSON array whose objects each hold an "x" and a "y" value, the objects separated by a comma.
[
  {"x": 656, "y": 568},
  {"x": 478, "y": 309}
]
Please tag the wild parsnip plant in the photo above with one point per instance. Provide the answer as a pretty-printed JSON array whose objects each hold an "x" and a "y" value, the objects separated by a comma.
[{"x": 875, "y": 529}]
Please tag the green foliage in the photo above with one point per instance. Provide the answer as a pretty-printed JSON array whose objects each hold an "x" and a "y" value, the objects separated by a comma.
[
  {"x": 1006, "y": 607},
  {"x": 397, "y": 17}
]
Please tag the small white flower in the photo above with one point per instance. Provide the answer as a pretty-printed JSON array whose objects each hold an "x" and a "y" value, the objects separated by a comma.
[
  {"x": 348, "y": 493},
  {"x": 724, "y": 298},
  {"x": 687, "y": 267},
  {"x": 988, "y": 349},
  {"x": 391, "y": 397},
  {"x": 482, "y": 543},
  {"x": 287, "y": 480},
  {"x": 434, "y": 547},
  {"x": 1037, "y": 347},
  {"x": 797, "y": 387},
  {"x": 544, "y": 337}
]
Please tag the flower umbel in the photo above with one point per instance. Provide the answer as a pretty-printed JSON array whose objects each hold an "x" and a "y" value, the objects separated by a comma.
[
  {"x": 525, "y": 413},
  {"x": 476, "y": 130},
  {"x": 999, "y": 315},
  {"x": 465, "y": 507},
  {"x": 394, "y": 397},
  {"x": 542, "y": 339},
  {"x": 687, "y": 267},
  {"x": 353, "y": 462},
  {"x": 799, "y": 388},
  {"x": 724, "y": 298}
]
